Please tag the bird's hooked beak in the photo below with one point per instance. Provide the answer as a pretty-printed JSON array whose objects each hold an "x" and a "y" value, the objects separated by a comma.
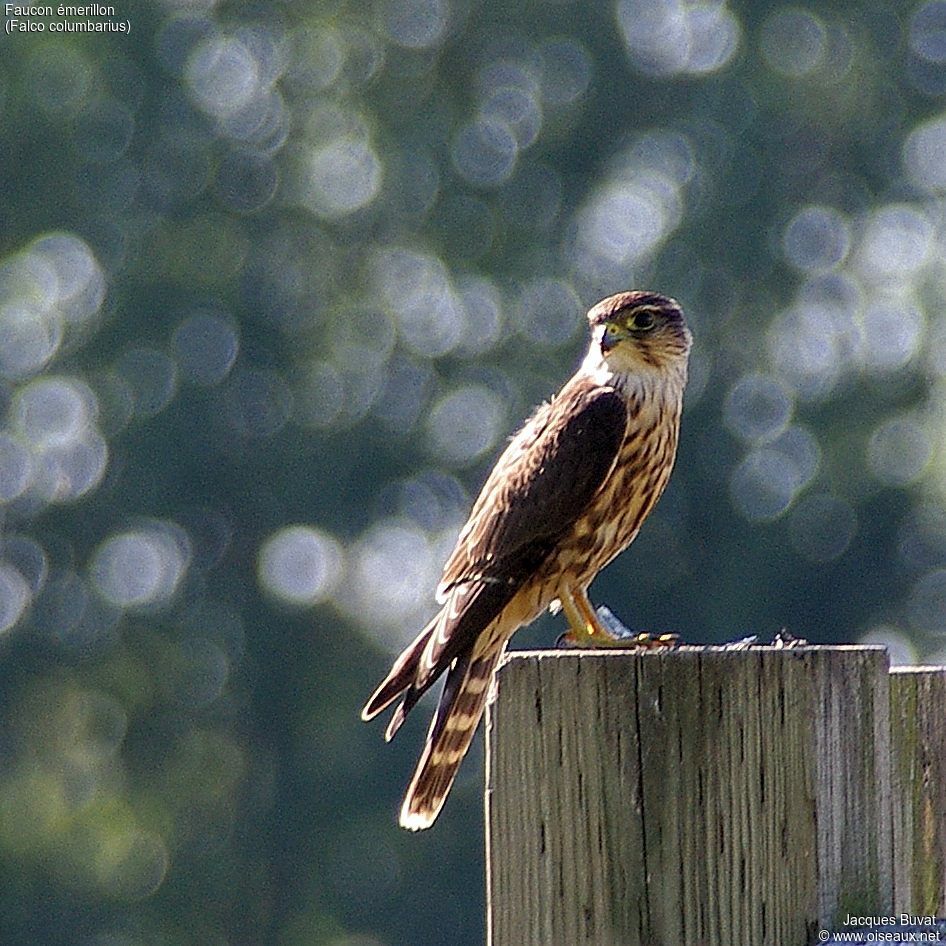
[{"x": 610, "y": 337}]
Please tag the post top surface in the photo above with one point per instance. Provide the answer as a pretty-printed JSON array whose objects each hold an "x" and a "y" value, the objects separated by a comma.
[
  {"x": 728, "y": 649},
  {"x": 703, "y": 652}
]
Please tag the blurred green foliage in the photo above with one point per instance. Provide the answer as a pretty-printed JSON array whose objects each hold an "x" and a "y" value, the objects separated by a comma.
[{"x": 276, "y": 281}]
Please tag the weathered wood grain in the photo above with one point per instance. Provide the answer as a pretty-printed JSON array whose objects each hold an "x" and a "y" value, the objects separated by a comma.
[
  {"x": 918, "y": 727},
  {"x": 695, "y": 797}
]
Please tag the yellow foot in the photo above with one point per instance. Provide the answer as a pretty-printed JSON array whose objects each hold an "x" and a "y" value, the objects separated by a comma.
[
  {"x": 586, "y": 628},
  {"x": 642, "y": 641}
]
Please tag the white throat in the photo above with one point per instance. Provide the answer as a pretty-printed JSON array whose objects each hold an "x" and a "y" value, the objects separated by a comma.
[{"x": 652, "y": 384}]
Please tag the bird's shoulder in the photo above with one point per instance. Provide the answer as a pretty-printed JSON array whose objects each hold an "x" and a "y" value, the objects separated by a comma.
[
  {"x": 582, "y": 411},
  {"x": 541, "y": 483}
]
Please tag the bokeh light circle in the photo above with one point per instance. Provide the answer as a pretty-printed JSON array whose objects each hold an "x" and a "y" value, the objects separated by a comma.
[
  {"x": 924, "y": 154},
  {"x": 816, "y": 239},
  {"x": 300, "y": 565},
  {"x": 131, "y": 864},
  {"x": 896, "y": 243},
  {"x": 550, "y": 312},
  {"x": 416, "y": 24},
  {"x": 928, "y": 31},
  {"x": 464, "y": 424},
  {"x": 142, "y": 567},
  {"x": 344, "y": 175},
  {"x": 794, "y": 42},
  {"x": 484, "y": 152},
  {"x": 764, "y": 484},
  {"x": 393, "y": 567},
  {"x": 223, "y": 75},
  {"x": 29, "y": 338},
  {"x": 205, "y": 347},
  {"x": 822, "y": 527},
  {"x": 15, "y": 596},
  {"x": 757, "y": 407},
  {"x": 898, "y": 451},
  {"x": 53, "y": 411},
  {"x": 667, "y": 37},
  {"x": 926, "y": 605},
  {"x": 16, "y": 468}
]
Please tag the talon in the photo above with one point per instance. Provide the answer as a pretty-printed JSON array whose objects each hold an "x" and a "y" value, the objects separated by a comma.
[
  {"x": 647, "y": 641},
  {"x": 602, "y": 629},
  {"x": 785, "y": 639}
]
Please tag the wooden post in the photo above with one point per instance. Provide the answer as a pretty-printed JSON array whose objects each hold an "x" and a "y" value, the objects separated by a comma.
[
  {"x": 696, "y": 797},
  {"x": 918, "y": 721}
]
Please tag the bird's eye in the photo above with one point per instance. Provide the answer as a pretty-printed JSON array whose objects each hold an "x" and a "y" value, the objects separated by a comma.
[
  {"x": 611, "y": 329},
  {"x": 642, "y": 320}
]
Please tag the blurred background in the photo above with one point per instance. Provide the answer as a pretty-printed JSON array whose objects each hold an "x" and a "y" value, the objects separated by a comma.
[{"x": 277, "y": 281}]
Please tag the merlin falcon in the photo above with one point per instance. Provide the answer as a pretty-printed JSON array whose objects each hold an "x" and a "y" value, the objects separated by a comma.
[{"x": 568, "y": 494}]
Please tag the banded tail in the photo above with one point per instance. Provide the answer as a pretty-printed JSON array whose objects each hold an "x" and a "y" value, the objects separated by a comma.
[
  {"x": 462, "y": 641},
  {"x": 451, "y": 732}
]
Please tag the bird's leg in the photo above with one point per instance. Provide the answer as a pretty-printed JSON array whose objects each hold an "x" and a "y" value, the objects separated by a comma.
[{"x": 587, "y": 629}]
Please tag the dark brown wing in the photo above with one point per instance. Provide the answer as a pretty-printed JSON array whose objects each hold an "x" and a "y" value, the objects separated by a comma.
[{"x": 541, "y": 484}]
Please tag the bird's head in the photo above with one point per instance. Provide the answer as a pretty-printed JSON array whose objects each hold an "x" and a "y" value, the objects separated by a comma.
[{"x": 637, "y": 331}]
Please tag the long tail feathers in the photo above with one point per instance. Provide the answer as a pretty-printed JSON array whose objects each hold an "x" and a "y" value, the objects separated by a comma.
[
  {"x": 413, "y": 674},
  {"x": 462, "y": 641},
  {"x": 401, "y": 675},
  {"x": 467, "y": 611},
  {"x": 451, "y": 731}
]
